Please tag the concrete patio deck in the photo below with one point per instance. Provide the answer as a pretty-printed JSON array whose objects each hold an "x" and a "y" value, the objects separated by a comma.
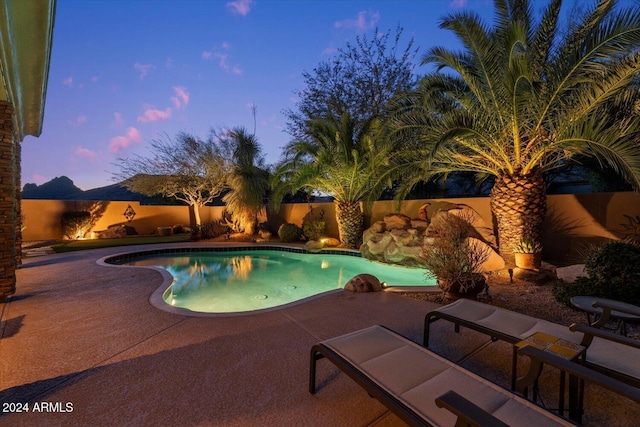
[{"x": 85, "y": 337}]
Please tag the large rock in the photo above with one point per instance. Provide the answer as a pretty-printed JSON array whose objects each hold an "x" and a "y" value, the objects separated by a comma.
[
  {"x": 570, "y": 273},
  {"x": 494, "y": 262},
  {"x": 330, "y": 242},
  {"x": 479, "y": 228},
  {"x": 397, "y": 221},
  {"x": 363, "y": 283},
  {"x": 399, "y": 239},
  {"x": 116, "y": 231},
  {"x": 313, "y": 246}
]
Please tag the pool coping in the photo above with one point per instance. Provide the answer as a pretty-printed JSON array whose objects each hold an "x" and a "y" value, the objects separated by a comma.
[{"x": 156, "y": 299}]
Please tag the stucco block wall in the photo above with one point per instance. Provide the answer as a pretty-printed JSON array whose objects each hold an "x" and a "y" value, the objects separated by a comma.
[
  {"x": 42, "y": 217},
  {"x": 576, "y": 221},
  {"x": 573, "y": 221}
]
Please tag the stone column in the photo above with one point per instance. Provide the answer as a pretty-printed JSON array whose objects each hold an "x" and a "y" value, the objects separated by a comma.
[
  {"x": 7, "y": 202},
  {"x": 17, "y": 150}
]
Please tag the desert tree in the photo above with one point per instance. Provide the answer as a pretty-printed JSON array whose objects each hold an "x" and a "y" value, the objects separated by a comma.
[
  {"x": 185, "y": 167},
  {"x": 360, "y": 80}
]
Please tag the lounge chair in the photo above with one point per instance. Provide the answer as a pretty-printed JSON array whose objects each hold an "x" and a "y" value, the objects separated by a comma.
[
  {"x": 407, "y": 378},
  {"x": 607, "y": 352},
  {"x": 605, "y": 348}
]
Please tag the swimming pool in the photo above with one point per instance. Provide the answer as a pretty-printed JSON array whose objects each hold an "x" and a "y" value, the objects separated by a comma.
[{"x": 241, "y": 280}]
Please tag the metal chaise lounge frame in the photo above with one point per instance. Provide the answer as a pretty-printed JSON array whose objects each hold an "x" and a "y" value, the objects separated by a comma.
[
  {"x": 603, "y": 348},
  {"x": 413, "y": 382}
]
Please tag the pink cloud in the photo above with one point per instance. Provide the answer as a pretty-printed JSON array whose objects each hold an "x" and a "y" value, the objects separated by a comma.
[
  {"x": 221, "y": 57},
  {"x": 68, "y": 81},
  {"x": 182, "y": 97},
  {"x": 455, "y": 4},
  {"x": 361, "y": 23},
  {"x": 153, "y": 115},
  {"x": 222, "y": 60},
  {"x": 239, "y": 7},
  {"x": 78, "y": 121},
  {"x": 117, "y": 120},
  {"x": 143, "y": 69},
  {"x": 329, "y": 51},
  {"x": 86, "y": 153},
  {"x": 38, "y": 178},
  {"x": 121, "y": 142}
]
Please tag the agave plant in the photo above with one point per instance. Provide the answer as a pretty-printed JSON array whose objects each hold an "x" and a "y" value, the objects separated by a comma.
[
  {"x": 524, "y": 97},
  {"x": 527, "y": 245}
]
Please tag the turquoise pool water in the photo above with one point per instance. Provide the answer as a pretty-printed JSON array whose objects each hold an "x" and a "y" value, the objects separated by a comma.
[{"x": 238, "y": 281}]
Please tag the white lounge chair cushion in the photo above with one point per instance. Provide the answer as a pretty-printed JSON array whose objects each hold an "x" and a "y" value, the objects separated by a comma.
[
  {"x": 417, "y": 376},
  {"x": 505, "y": 321},
  {"x": 614, "y": 356},
  {"x": 607, "y": 354}
]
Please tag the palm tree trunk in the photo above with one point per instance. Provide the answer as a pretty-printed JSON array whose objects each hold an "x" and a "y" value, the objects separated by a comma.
[
  {"x": 519, "y": 204},
  {"x": 350, "y": 223}
]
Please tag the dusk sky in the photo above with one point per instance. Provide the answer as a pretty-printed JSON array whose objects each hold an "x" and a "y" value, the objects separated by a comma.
[{"x": 126, "y": 72}]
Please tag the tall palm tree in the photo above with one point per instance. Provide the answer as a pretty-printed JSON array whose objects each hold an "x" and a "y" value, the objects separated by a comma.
[
  {"x": 522, "y": 98},
  {"x": 249, "y": 179},
  {"x": 337, "y": 160}
]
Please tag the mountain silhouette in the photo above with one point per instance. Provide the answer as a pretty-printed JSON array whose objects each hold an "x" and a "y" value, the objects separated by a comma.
[
  {"x": 59, "y": 188},
  {"x": 62, "y": 188}
]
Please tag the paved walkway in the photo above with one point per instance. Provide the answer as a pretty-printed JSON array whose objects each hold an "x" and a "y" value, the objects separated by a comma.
[{"x": 82, "y": 340}]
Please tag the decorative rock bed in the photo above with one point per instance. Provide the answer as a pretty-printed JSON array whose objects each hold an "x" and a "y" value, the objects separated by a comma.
[{"x": 399, "y": 239}]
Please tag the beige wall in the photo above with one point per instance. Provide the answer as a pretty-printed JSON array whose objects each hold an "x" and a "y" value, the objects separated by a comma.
[
  {"x": 573, "y": 220},
  {"x": 42, "y": 217}
]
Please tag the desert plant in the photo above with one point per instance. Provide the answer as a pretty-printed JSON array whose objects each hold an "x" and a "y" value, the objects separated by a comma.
[
  {"x": 313, "y": 229},
  {"x": 450, "y": 256},
  {"x": 248, "y": 180},
  {"x": 289, "y": 233},
  {"x": 213, "y": 229},
  {"x": 527, "y": 245},
  {"x": 521, "y": 98},
  {"x": 613, "y": 271},
  {"x": 185, "y": 167},
  {"x": 632, "y": 229},
  {"x": 76, "y": 224},
  {"x": 340, "y": 159}
]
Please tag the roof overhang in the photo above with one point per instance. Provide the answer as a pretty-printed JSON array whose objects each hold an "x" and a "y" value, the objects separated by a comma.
[{"x": 26, "y": 32}]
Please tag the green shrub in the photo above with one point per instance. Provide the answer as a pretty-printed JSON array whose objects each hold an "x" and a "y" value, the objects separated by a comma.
[
  {"x": 313, "y": 229},
  {"x": 613, "y": 272},
  {"x": 289, "y": 233},
  {"x": 213, "y": 229},
  {"x": 75, "y": 224}
]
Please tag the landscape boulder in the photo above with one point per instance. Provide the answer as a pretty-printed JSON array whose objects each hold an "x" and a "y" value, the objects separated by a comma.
[
  {"x": 330, "y": 242},
  {"x": 399, "y": 239},
  {"x": 313, "y": 246},
  {"x": 116, "y": 231},
  {"x": 363, "y": 283}
]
